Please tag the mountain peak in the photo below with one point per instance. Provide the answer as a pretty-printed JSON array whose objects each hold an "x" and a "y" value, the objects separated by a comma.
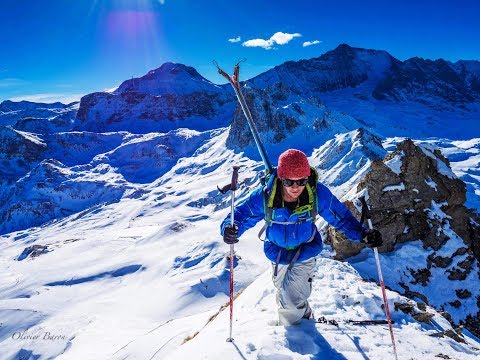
[
  {"x": 169, "y": 78},
  {"x": 344, "y": 51},
  {"x": 172, "y": 71}
]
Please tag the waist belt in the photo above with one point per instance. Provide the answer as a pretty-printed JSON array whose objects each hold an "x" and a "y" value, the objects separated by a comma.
[{"x": 297, "y": 253}]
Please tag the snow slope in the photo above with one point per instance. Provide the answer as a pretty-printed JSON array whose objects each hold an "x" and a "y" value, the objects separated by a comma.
[
  {"x": 338, "y": 293},
  {"x": 134, "y": 279}
]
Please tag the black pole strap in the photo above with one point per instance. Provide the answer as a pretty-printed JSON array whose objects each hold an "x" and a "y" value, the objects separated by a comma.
[
  {"x": 233, "y": 186},
  {"x": 365, "y": 211}
]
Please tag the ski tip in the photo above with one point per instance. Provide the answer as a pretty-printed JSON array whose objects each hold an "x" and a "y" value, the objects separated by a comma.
[{"x": 323, "y": 320}]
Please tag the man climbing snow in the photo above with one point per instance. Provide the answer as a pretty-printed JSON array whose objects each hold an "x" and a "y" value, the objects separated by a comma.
[{"x": 289, "y": 204}]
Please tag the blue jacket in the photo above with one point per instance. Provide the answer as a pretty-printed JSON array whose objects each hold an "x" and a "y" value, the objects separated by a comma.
[{"x": 290, "y": 229}]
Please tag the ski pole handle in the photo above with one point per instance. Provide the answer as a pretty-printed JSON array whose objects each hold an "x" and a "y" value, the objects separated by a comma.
[{"x": 234, "y": 184}]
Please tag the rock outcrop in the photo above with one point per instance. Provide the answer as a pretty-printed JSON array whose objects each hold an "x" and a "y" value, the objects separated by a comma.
[{"x": 415, "y": 198}]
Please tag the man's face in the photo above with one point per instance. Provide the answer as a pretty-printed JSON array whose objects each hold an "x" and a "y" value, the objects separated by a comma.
[{"x": 293, "y": 187}]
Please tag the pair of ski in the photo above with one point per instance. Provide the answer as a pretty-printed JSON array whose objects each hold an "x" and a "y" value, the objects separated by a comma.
[{"x": 323, "y": 320}]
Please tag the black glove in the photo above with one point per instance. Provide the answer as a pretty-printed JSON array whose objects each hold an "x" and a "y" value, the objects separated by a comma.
[
  {"x": 372, "y": 237},
  {"x": 230, "y": 234}
]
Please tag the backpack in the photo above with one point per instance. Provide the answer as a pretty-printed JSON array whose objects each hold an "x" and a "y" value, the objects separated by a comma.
[{"x": 309, "y": 203}]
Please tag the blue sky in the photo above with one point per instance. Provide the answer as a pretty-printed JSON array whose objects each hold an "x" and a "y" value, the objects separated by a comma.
[{"x": 63, "y": 49}]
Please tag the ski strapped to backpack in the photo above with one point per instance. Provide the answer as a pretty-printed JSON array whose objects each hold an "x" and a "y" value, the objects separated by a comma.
[{"x": 234, "y": 81}]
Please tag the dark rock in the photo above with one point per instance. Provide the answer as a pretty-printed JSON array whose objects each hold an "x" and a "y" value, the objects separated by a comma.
[
  {"x": 463, "y": 293},
  {"x": 460, "y": 251},
  {"x": 421, "y": 276},
  {"x": 422, "y": 306},
  {"x": 457, "y": 274},
  {"x": 33, "y": 251},
  {"x": 178, "y": 226},
  {"x": 413, "y": 79},
  {"x": 451, "y": 334},
  {"x": 269, "y": 119},
  {"x": 456, "y": 304},
  {"x": 472, "y": 323},
  {"x": 423, "y": 317},
  {"x": 440, "y": 261},
  {"x": 413, "y": 195},
  {"x": 406, "y": 308}
]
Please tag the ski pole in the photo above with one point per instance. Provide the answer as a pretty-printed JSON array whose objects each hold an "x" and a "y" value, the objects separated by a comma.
[
  {"x": 233, "y": 80},
  {"x": 231, "y": 187},
  {"x": 366, "y": 213}
]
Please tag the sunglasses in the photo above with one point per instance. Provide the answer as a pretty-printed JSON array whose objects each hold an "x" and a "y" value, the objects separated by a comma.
[{"x": 288, "y": 182}]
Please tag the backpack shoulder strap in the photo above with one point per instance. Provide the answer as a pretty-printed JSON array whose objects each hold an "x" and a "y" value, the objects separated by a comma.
[
  {"x": 314, "y": 211},
  {"x": 268, "y": 212},
  {"x": 267, "y": 206}
]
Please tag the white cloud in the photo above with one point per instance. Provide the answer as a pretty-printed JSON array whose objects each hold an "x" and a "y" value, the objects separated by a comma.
[
  {"x": 235, "y": 40},
  {"x": 310, "y": 43},
  {"x": 278, "y": 38},
  {"x": 283, "y": 38},
  {"x": 49, "y": 98},
  {"x": 266, "y": 44},
  {"x": 11, "y": 82}
]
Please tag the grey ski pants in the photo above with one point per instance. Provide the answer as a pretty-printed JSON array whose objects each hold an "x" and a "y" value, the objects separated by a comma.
[{"x": 294, "y": 287}]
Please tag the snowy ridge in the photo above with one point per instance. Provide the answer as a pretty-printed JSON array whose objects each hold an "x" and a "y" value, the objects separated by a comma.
[
  {"x": 338, "y": 293},
  {"x": 344, "y": 160},
  {"x": 22, "y": 114}
]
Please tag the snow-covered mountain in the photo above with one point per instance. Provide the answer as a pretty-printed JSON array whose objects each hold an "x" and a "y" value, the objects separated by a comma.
[
  {"x": 110, "y": 212},
  {"x": 383, "y": 77},
  {"x": 165, "y": 99},
  {"x": 415, "y": 98},
  {"x": 170, "y": 78},
  {"x": 38, "y": 117}
]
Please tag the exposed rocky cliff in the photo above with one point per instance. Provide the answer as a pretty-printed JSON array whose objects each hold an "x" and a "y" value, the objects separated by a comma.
[{"x": 415, "y": 198}]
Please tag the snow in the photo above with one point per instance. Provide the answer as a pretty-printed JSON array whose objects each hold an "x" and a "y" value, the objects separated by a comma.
[
  {"x": 395, "y": 164},
  {"x": 398, "y": 187},
  {"x": 338, "y": 293},
  {"x": 32, "y": 137},
  {"x": 137, "y": 277},
  {"x": 431, "y": 183},
  {"x": 441, "y": 166}
]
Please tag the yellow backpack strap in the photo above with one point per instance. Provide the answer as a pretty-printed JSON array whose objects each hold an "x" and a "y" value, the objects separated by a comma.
[
  {"x": 268, "y": 211},
  {"x": 272, "y": 194}
]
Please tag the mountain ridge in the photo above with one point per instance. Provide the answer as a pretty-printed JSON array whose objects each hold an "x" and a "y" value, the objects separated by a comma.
[{"x": 111, "y": 204}]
